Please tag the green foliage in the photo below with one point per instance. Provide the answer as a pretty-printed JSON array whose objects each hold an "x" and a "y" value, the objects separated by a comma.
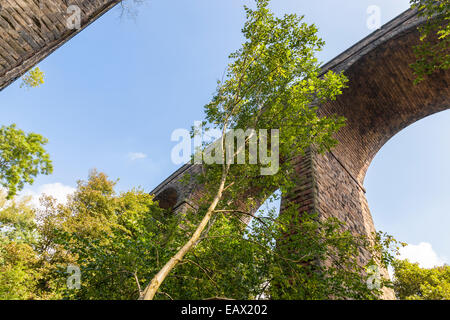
[
  {"x": 272, "y": 82},
  {"x": 433, "y": 53},
  {"x": 34, "y": 78},
  {"x": 277, "y": 258},
  {"x": 17, "y": 256},
  {"x": 17, "y": 276},
  {"x": 120, "y": 241},
  {"x": 22, "y": 157},
  {"x": 320, "y": 259},
  {"x": 130, "y": 8},
  {"x": 17, "y": 218},
  {"x": 116, "y": 239},
  {"x": 28, "y": 253},
  {"x": 414, "y": 283}
]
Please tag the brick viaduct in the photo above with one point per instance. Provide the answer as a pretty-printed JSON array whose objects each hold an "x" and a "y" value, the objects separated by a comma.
[{"x": 381, "y": 100}]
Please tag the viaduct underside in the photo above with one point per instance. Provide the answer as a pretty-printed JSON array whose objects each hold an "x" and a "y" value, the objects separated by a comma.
[{"x": 381, "y": 100}]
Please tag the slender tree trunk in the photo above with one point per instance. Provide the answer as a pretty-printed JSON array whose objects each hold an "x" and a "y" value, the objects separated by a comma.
[
  {"x": 152, "y": 288},
  {"x": 158, "y": 279}
]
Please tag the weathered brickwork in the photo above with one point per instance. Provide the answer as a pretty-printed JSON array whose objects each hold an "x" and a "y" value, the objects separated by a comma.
[
  {"x": 382, "y": 100},
  {"x": 303, "y": 193},
  {"x": 32, "y": 29}
]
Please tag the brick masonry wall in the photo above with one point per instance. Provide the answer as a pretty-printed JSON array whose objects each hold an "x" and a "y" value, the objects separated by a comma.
[
  {"x": 327, "y": 188},
  {"x": 30, "y": 30},
  {"x": 382, "y": 100}
]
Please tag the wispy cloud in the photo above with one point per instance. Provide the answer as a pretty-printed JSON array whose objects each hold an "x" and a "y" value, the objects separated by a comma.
[
  {"x": 56, "y": 190},
  {"x": 423, "y": 253},
  {"x": 136, "y": 155}
]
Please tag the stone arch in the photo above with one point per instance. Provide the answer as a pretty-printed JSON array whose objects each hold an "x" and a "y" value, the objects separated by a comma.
[{"x": 382, "y": 100}]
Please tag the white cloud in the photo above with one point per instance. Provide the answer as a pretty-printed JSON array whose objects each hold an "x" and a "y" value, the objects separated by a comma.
[
  {"x": 423, "y": 254},
  {"x": 56, "y": 190},
  {"x": 136, "y": 155}
]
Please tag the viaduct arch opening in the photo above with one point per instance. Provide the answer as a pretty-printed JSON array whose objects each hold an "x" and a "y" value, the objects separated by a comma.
[{"x": 408, "y": 185}]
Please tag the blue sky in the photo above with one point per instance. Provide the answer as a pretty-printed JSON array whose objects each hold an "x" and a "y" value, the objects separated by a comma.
[{"x": 115, "y": 93}]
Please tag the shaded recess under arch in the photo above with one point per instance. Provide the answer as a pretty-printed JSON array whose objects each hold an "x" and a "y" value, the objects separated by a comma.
[{"x": 168, "y": 198}]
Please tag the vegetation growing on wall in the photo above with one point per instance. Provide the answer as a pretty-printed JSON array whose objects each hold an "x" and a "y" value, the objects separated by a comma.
[{"x": 433, "y": 54}]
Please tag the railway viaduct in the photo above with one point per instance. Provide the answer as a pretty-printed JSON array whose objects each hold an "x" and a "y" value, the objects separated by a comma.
[{"x": 380, "y": 101}]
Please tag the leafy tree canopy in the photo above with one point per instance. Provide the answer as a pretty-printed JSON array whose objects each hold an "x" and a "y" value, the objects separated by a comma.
[
  {"x": 17, "y": 256},
  {"x": 120, "y": 240},
  {"x": 22, "y": 157},
  {"x": 33, "y": 78},
  {"x": 414, "y": 283}
]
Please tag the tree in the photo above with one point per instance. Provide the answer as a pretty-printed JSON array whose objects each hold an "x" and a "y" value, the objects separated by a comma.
[
  {"x": 22, "y": 157},
  {"x": 123, "y": 241},
  {"x": 17, "y": 256},
  {"x": 111, "y": 237},
  {"x": 120, "y": 241},
  {"x": 28, "y": 254},
  {"x": 117, "y": 240},
  {"x": 433, "y": 53},
  {"x": 414, "y": 283},
  {"x": 272, "y": 82}
]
